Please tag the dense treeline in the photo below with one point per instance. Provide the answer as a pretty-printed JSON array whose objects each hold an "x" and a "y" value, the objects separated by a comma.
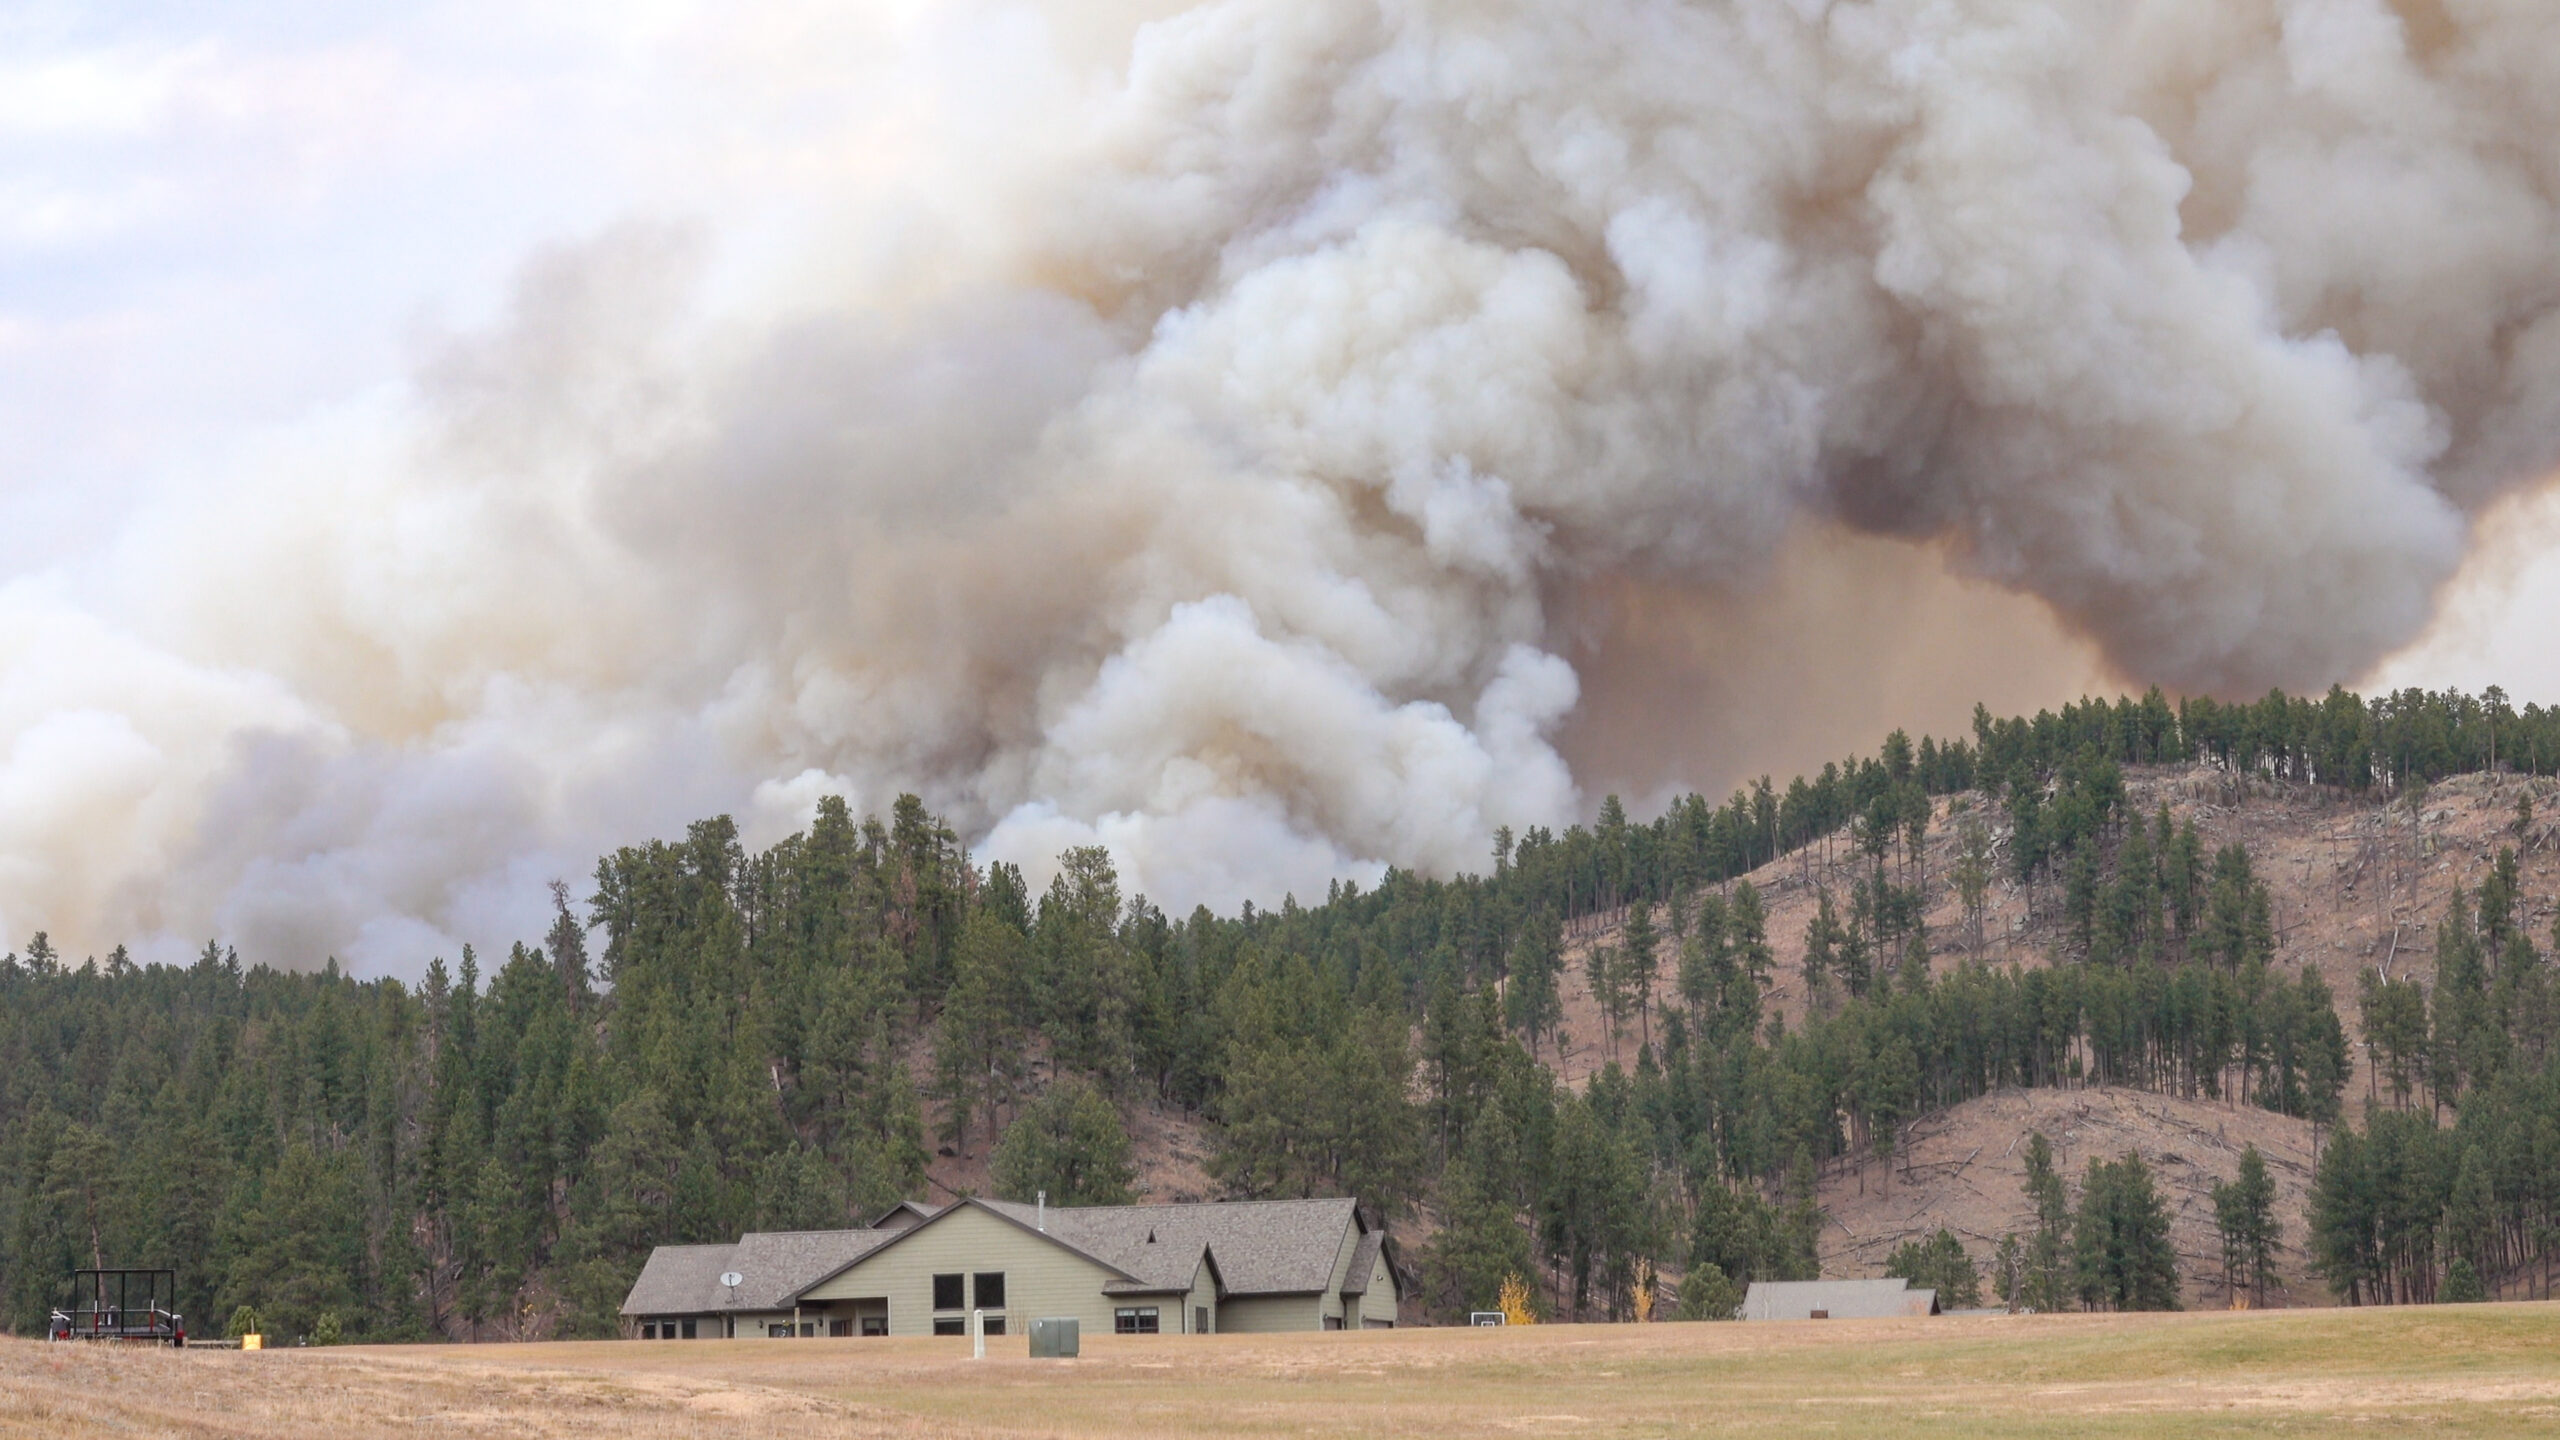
[
  {"x": 2409, "y": 1209},
  {"x": 2342, "y": 741},
  {"x": 711, "y": 1040}
]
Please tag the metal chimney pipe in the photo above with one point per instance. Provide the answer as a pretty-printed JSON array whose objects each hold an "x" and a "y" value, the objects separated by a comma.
[{"x": 1043, "y": 1212}]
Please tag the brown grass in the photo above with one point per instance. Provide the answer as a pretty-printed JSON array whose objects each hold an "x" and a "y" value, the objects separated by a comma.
[{"x": 2485, "y": 1370}]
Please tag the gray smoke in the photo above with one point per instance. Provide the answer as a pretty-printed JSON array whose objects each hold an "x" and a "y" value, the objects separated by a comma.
[{"x": 1274, "y": 463}]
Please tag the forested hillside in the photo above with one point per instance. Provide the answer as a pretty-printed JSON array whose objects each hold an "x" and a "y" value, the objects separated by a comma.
[{"x": 710, "y": 1040}]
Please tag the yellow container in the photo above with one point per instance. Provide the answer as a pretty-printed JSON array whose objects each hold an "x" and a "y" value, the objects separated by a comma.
[{"x": 253, "y": 1342}]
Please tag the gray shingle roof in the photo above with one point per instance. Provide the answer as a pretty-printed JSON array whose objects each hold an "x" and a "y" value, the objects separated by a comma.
[
  {"x": 679, "y": 1280},
  {"x": 772, "y": 1268},
  {"x": 1261, "y": 1247},
  {"x": 1257, "y": 1247},
  {"x": 1363, "y": 1257},
  {"x": 904, "y": 1215},
  {"x": 1839, "y": 1299},
  {"x": 1170, "y": 1265},
  {"x": 778, "y": 1265}
]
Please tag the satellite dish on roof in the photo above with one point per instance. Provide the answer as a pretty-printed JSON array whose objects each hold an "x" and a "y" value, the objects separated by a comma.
[{"x": 733, "y": 1279}]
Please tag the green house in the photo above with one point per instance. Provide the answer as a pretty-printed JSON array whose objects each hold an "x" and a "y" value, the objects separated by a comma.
[{"x": 1259, "y": 1265}]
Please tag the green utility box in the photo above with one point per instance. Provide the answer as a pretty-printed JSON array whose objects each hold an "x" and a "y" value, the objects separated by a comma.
[{"x": 1053, "y": 1339}]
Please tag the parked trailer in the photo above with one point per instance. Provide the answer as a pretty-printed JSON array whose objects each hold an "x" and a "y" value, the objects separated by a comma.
[{"x": 133, "y": 1306}]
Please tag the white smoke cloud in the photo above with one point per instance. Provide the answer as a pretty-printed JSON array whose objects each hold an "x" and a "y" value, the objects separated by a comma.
[{"x": 1268, "y": 439}]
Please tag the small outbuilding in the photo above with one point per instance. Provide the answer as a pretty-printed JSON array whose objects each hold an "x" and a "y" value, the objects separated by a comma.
[{"x": 1835, "y": 1300}]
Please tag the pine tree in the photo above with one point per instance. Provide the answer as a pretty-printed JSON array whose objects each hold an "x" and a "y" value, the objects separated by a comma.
[
  {"x": 1938, "y": 1263},
  {"x": 2244, "y": 1214},
  {"x": 1605, "y": 970},
  {"x": 2462, "y": 1284},
  {"x": 1824, "y": 941},
  {"x": 1973, "y": 878},
  {"x": 2007, "y": 1274},
  {"x": 1642, "y": 950},
  {"x": 1481, "y": 1241},
  {"x": 1754, "y": 961},
  {"x": 1531, "y": 1005},
  {"x": 1069, "y": 1144},
  {"x": 2125, "y": 1259},
  {"x": 1706, "y": 959},
  {"x": 1707, "y": 1293},
  {"x": 2046, "y": 1281},
  {"x": 981, "y": 1045}
]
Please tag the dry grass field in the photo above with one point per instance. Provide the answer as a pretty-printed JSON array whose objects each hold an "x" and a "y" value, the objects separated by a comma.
[{"x": 2472, "y": 1370}]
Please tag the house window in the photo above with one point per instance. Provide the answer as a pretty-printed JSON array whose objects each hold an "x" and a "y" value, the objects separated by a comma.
[
  {"x": 875, "y": 1324},
  {"x": 990, "y": 1287},
  {"x": 1333, "y": 1322},
  {"x": 950, "y": 1325},
  {"x": 839, "y": 1329},
  {"x": 995, "y": 1324},
  {"x": 1134, "y": 1320},
  {"x": 648, "y": 1330},
  {"x": 777, "y": 1332},
  {"x": 1199, "y": 1319},
  {"x": 950, "y": 1293},
  {"x": 688, "y": 1329}
]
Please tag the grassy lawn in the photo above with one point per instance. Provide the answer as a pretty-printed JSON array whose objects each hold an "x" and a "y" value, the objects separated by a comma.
[{"x": 2473, "y": 1370}]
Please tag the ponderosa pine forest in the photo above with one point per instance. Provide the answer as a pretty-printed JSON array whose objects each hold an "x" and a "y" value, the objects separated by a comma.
[{"x": 710, "y": 1040}]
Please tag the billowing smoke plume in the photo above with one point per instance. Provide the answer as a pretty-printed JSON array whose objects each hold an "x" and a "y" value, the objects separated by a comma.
[{"x": 1253, "y": 463}]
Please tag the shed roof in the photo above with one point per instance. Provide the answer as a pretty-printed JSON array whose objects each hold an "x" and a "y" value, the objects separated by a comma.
[{"x": 1837, "y": 1299}]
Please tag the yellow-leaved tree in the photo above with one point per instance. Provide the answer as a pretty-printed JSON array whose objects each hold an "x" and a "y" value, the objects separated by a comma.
[{"x": 1514, "y": 1302}]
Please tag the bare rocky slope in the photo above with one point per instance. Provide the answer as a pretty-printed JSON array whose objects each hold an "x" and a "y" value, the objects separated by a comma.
[
  {"x": 1965, "y": 1170},
  {"x": 2355, "y": 884}
]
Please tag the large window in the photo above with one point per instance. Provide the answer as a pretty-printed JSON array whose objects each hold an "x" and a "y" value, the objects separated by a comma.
[
  {"x": 990, "y": 1287},
  {"x": 688, "y": 1329},
  {"x": 950, "y": 1325},
  {"x": 950, "y": 1292},
  {"x": 1134, "y": 1320}
]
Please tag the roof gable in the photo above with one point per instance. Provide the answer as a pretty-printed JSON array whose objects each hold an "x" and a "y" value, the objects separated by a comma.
[
  {"x": 772, "y": 1267},
  {"x": 970, "y": 1205},
  {"x": 906, "y": 1214},
  {"x": 775, "y": 1266},
  {"x": 1364, "y": 1259}
]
